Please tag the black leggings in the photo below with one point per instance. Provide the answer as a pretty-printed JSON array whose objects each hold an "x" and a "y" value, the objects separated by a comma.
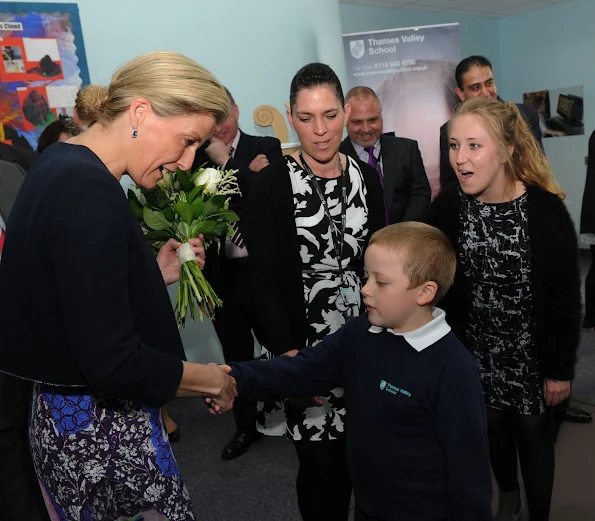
[
  {"x": 532, "y": 437},
  {"x": 323, "y": 485}
]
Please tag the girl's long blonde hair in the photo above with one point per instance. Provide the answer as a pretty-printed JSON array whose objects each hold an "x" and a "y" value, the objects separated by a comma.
[{"x": 508, "y": 128}]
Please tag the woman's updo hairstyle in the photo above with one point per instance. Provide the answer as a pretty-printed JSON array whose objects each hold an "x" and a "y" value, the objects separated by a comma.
[{"x": 174, "y": 85}]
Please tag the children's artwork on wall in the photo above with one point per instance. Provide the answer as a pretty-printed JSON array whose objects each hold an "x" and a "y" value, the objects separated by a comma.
[{"x": 43, "y": 66}]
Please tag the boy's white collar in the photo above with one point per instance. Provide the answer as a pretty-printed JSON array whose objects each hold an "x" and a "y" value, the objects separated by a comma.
[{"x": 423, "y": 336}]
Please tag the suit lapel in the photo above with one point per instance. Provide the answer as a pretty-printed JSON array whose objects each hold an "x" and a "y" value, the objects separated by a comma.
[
  {"x": 349, "y": 149},
  {"x": 390, "y": 156},
  {"x": 243, "y": 151}
]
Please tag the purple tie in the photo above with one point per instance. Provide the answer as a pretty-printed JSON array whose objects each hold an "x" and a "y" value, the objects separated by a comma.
[{"x": 374, "y": 163}]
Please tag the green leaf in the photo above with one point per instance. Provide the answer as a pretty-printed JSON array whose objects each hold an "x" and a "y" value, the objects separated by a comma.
[
  {"x": 184, "y": 210},
  {"x": 208, "y": 209},
  {"x": 195, "y": 228},
  {"x": 135, "y": 205},
  {"x": 156, "y": 198},
  {"x": 218, "y": 200},
  {"x": 220, "y": 229},
  {"x": 158, "y": 234},
  {"x": 155, "y": 219},
  {"x": 228, "y": 215},
  {"x": 197, "y": 206},
  {"x": 169, "y": 213},
  {"x": 184, "y": 179},
  {"x": 208, "y": 228},
  {"x": 193, "y": 193}
]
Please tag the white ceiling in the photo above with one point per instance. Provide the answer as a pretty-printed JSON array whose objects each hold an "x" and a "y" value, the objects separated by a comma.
[{"x": 486, "y": 8}]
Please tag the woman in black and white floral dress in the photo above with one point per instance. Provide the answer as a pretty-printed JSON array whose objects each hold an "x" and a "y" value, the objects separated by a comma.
[{"x": 309, "y": 219}]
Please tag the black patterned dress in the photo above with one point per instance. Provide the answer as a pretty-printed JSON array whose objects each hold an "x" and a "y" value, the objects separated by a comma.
[
  {"x": 495, "y": 256},
  {"x": 326, "y": 310}
]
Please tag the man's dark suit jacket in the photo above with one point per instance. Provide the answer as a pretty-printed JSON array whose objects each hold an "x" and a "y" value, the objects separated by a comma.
[
  {"x": 447, "y": 174},
  {"x": 407, "y": 192},
  {"x": 248, "y": 148},
  {"x": 11, "y": 179},
  {"x": 21, "y": 156},
  {"x": 588, "y": 208}
]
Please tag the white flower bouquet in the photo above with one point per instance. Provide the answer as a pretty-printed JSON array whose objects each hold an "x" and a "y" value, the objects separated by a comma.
[{"x": 182, "y": 206}]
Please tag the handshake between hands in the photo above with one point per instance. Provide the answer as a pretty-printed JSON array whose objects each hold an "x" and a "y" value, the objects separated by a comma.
[{"x": 222, "y": 401}]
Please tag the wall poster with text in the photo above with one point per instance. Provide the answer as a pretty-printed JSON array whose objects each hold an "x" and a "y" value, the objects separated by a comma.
[
  {"x": 42, "y": 68},
  {"x": 413, "y": 72}
]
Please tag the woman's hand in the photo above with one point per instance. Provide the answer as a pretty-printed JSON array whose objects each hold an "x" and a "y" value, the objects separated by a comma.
[
  {"x": 214, "y": 405},
  {"x": 167, "y": 258},
  {"x": 555, "y": 391}
]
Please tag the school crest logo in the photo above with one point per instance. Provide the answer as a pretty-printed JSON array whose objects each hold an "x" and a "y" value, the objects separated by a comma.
[
  {"x": 382, "y": 385},
  {"x": 357, "y": 48}
]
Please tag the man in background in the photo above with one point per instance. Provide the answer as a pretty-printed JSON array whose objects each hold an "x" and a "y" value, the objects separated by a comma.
[
  {"x": 397, "y": 160},
  {"x": 20, "y": 495},
  {"x": 229, "y": 271},
  {"x": 474, "y": 77}
]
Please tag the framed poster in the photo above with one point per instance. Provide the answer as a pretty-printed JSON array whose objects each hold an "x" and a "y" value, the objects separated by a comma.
[{"x": 43, "y": 66}]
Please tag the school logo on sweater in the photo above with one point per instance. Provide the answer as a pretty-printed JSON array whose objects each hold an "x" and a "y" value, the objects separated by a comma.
[{"x": 393, "y": 389}]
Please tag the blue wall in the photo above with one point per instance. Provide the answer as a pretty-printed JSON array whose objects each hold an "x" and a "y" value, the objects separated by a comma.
[
  {"x": 548, "y": 49},
  {"x": 254, "y": 47}
]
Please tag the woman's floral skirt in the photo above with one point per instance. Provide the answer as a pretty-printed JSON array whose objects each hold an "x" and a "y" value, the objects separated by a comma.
[{"x": 100, "y": 458}]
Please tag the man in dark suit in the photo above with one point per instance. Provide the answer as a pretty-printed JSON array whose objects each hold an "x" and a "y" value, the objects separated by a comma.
[
  {"x": 407, "y": 192},
  {"x": 16, "y": 154},
  {"x": 475, "y": 78},
  {"x": 20, "y": 495},
  {"x": 228, "y": 272}
]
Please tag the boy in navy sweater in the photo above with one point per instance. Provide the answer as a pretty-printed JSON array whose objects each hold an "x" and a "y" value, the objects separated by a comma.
[{"x": 416, "y": 430}]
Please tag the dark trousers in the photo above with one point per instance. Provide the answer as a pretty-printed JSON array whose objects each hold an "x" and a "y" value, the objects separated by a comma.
[
  {"x": 234, "y": 323},
  {"x": 360, "y": 516},
  {"x": 531, "y": 437},
  {"x": 20, "y": 495},
  {"x": 323, "y": 485},
  {"x": 590, "y": 292}
]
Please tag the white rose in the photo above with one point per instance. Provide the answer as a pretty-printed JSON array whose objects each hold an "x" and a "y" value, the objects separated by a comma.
[{"x": 210, "y": 179}]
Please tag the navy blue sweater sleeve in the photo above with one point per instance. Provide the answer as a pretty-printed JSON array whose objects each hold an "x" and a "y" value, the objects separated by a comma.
[
  {"x": 88, "y": 230},
  {"x": 462, "y": 432},
  {"x": 313, "y": 371}
]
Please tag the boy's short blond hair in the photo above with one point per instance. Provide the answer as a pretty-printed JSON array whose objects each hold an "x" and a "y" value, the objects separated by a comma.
[{"x": 428, "y": 255}]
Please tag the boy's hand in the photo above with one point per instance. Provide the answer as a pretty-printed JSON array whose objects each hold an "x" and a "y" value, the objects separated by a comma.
[
  {"x": 212, "y": 403},
  {"x": 555, "y": 391}
]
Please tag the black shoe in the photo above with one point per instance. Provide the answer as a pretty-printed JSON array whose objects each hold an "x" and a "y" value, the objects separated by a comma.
[
  {"x": 575, "y": 415},
  {"x": 239, "y": 444},
  {"x": 588, "y": 324},
  {"x": 174, "y": 435}
]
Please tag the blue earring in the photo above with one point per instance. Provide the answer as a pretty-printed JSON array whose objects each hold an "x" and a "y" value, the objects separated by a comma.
[{"x": 134, "y": 132}]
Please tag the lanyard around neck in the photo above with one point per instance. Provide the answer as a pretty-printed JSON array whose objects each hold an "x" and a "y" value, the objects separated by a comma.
[{"x": 338, "y": 235}]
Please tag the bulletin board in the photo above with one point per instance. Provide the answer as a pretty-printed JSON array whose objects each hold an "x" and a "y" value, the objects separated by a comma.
[{"x": 42, "y": 68}]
